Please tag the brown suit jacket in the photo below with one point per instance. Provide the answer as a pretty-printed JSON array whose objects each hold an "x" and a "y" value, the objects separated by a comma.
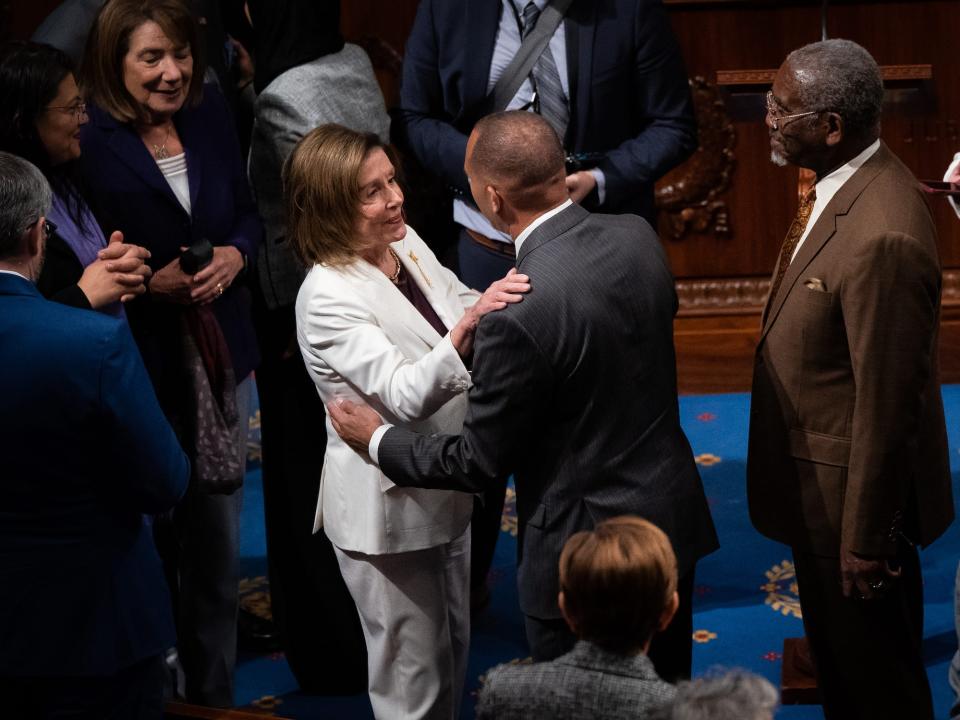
[{"x": 847, "y": 435}]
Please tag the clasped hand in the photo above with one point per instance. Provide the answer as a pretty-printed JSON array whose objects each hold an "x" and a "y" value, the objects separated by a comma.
[
  {"x": 355, "y": 424},
  {"x": 119, "y": 273},
  {"x": 170, "y": 283},
  {"x": 505, "y": 291}
]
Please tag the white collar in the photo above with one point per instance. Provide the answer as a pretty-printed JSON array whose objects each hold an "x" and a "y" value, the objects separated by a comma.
[
  {"x": 829, "y": 184},
  {"x": 14, "y": 272},
  {"x": 538, "y": 221}
]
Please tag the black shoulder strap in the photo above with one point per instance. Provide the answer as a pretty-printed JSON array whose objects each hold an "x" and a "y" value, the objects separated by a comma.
[{"x": 530, "y": 50}]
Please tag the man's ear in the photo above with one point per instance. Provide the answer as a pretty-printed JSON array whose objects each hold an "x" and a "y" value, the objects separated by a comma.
[
  {"x": 834, "y": 128},
  {"x": 668, "y": 612},
  {"x": 36, "y": 236},
  {"x": 494, "y": 198}
]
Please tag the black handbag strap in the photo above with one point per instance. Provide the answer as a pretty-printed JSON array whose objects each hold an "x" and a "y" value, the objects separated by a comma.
[{"x": 530, "y": 50}]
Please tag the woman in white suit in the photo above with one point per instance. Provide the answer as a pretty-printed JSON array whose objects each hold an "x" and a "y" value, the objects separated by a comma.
[{"x": 381, "y": 321}]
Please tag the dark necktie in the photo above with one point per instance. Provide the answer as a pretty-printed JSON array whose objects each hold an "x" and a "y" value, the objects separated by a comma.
[
  {"x": 794, "y": 234},
  {"x": 553, "y": 104}
]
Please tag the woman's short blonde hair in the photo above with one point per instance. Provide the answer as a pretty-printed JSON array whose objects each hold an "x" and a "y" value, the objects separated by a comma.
[
  {"x": 617, "y": 580},
  {"x": 101, "y": 73},
  {"x": 321, "y": 181}
]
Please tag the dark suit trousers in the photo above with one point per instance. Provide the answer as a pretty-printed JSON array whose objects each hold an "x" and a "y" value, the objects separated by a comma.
[
  {"x": 134, "y": 693},
  {"x": 312, "y": 608},
  {"x": 867, "y": 652},
  {"x": 671, "y": 650}
]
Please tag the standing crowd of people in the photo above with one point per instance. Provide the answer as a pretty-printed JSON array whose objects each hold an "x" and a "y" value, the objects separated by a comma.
[{"x": 149, "y": 265}]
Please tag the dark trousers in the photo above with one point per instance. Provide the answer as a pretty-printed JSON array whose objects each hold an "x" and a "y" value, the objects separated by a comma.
[
  {"x": 312, "y": 609},
  {"x": 671, "y": 650},
  {"x": 867, "y": 652},
  {"x": 134, "y": 693}
]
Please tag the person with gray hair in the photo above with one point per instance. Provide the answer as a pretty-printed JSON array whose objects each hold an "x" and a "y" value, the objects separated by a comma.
[
  {"x": 848, "y": 460},
  {"x": 87, "y": 453},
  {"x": 732, "y": 695},
  {"x": 25, "y": 200}
]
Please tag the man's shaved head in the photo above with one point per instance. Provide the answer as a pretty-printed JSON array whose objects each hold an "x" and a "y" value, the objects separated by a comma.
[{"x": 520, "y": 153}]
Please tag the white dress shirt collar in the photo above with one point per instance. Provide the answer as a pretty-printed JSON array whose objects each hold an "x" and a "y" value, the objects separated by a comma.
[
  {"x": 14, "y": 272},
  {"x": 829, "y": 185},
  {"x": 538, "y": 221}
]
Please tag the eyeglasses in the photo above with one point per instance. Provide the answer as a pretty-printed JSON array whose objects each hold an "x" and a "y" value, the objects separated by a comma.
[
  {"x": 49, "y": 226},
  {"x": 780, "y": 121},
  {"x": 77, "y": 109}
]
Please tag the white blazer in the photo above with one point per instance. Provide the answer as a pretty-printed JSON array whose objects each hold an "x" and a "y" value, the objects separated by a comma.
[{"x": 361, "y": 339}]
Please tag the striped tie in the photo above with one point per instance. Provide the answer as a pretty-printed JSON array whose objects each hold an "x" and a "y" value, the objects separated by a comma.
[{"x": 553, "y": 103}]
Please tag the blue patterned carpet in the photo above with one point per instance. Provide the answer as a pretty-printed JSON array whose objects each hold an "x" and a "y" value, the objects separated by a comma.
[{"x": 745, "y": 602}]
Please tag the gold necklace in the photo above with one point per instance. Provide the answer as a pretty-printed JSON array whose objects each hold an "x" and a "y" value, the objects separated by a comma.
[
  {"x": 395, "y": 278},
  {"x": 160, "y": 151}
]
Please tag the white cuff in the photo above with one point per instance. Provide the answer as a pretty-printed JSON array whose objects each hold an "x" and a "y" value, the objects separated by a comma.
[
  {"x": 374, "y": 447},
  {"x": 601, "y": 184},
  {"x": 946, "y": 175}
]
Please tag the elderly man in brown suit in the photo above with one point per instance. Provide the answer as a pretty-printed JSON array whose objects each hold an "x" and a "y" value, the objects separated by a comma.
[{"x": 848, "y": 452}]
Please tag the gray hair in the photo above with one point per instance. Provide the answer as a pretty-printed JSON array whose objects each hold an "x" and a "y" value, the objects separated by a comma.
[
  {"x": 840, "y": 76},
  {"x": 731, "y": 695},
  {"x": 25, "y": 197}
]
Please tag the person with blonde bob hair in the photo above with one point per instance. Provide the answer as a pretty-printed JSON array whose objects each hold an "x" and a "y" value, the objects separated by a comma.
[
  {"x": 618, "y": 588},
  {"x": 163, "y": 165},
  {"x": 379, "y": 320}
]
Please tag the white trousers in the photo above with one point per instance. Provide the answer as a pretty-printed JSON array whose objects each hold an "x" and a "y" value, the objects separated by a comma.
[{"x": 415, "y": 612}]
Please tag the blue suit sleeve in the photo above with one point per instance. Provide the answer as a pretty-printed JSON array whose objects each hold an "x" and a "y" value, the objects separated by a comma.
[
  {"x": 150, "y": 467},
  {"x": 669, "y": 132},
  {"x": 422, "y": 120}
]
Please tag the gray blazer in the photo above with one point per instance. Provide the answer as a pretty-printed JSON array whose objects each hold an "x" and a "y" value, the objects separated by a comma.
[
  {"x": 587, "y": 682},
  {"x": 574, "y": 389},
  {"x": 338, "y": 88}
]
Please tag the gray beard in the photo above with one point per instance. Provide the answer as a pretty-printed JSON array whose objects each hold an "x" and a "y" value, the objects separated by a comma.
[{"x": 778, "y": 159}]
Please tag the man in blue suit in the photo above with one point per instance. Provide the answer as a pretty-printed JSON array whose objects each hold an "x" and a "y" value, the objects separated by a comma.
[
  {"x": 87, "y": 455},
  {"x": 621, "y": 107}
]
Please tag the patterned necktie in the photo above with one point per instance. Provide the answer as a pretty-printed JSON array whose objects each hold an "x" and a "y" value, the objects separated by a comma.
[
  {"x": 794, "y": 234},
  {"x": 553, "y": 104}
]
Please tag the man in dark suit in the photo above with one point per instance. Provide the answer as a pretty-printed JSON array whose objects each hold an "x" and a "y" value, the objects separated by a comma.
[
  {"x": 611, "y": 81},
  {"x": 575, "y": 387},
  {"x": 84, "y": 614},
  {"x": 848, "y": 452}
]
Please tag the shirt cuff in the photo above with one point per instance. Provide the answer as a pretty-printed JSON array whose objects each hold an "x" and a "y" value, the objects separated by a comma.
[
  {"x": 946, "y": 176},
  {"x": 601, "y": 184},
  {"x": 374, "y": 448}
]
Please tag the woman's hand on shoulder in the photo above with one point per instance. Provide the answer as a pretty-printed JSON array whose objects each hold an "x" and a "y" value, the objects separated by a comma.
[
  {"x": 505, "y": 291},
  {"x": 119, "y": 273}
]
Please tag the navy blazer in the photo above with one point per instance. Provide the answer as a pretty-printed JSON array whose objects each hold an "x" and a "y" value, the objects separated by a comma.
[
  {"x": 130, "y": 194},
  {"x": 629, "y": 95},
  {"x": 86, "y": 452}
]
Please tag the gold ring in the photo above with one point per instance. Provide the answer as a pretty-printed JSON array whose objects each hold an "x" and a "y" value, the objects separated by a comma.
[{"x": 219, "y": 289}]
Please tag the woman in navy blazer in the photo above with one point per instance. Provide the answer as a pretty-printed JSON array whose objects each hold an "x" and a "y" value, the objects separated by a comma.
[{"x": 161, "y": 159}]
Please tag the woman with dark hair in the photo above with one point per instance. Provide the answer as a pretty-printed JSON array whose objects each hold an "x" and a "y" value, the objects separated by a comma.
[
  {"x": 162, "y": 160},
  {"x": 41, "y": 112}
]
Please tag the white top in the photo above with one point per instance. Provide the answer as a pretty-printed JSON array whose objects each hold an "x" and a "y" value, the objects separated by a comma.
[
  {"x": 174, "y": 169},
  {"x": 361, "y": 340},
  {"x": 828, "y": 186}
]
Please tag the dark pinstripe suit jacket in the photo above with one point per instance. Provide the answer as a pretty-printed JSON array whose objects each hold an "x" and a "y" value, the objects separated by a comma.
[
  {"x": 587, "y": 682},
  {"x": 574, "y": 389}
]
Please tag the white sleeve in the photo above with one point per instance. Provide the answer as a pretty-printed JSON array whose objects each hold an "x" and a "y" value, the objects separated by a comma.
[{"x": 340, "y": 333}]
